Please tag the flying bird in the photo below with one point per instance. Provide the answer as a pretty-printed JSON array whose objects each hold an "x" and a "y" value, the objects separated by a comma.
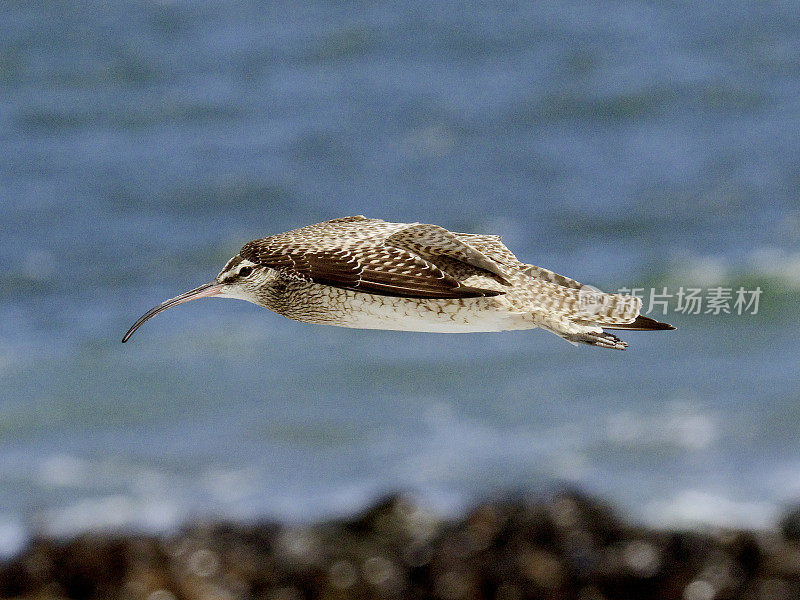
[{"x": 372, "y": 274}]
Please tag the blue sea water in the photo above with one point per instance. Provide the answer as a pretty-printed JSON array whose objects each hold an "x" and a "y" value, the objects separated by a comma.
[{"x": 637, "y": 144}]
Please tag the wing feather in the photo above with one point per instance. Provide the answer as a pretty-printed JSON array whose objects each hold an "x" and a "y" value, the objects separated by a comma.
[
  {"x": 362, "y": 267},
  {"x": 431, "y": 241}
]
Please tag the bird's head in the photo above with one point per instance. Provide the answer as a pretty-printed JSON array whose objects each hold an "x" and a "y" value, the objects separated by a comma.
[{"x": 240, "y": 278}]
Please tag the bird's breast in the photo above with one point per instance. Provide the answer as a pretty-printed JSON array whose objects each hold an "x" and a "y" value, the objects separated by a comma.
[{"x": 346, "y": 308}]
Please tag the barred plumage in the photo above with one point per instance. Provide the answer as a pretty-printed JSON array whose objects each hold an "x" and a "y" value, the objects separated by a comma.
[{"x": 369, "y": 273}]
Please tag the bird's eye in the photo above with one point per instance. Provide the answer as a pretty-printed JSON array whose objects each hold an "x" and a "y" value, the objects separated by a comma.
[{"x": 245, "y": 271}]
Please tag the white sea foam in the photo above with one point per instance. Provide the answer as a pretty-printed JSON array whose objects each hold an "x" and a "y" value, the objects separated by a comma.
[
  {"x": 693, "y": 508},
  {"x": 451, "y": 460},
  {"x": 766, "y": 261},
  {"x": 680, "y": 424},
  {"x": 112, "y": 513},
  {"x": 704, "y": 270},
  {"x": 778, "y": 263},
  {"x": 230, "y": 485},
  {"x": 460, "y": 452},
  {"x": 12, "y": 536}
]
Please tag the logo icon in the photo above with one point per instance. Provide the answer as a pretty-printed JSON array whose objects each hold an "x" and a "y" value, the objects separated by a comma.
[{"x": 592, "y": 301}]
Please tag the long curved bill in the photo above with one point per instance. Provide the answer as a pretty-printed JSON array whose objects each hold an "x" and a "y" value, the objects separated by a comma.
[{"x": 204, "y": 291}]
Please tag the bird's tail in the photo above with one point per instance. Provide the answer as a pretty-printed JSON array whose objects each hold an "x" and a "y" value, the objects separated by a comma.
[
  {"x": 614, "y": 311},
  {"x": 592, "y": 312},
  {"x": 641, "y": 323}
]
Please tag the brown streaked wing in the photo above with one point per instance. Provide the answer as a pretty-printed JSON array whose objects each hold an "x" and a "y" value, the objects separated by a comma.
[
  {"x": 380, "y": 270},
  {"x": 552, "y": 277},
  {"x": 490, "y": 245},
  {"x": 432, "y": 241}
]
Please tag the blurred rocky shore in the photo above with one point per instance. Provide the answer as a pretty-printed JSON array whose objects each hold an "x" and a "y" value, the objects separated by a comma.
[{"x": 567, "y": 546}]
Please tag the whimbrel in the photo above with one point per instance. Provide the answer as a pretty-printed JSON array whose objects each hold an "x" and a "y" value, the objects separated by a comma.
[{"x": 371, "y": 274}]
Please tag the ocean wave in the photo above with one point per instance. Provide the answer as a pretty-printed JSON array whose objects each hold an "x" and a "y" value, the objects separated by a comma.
[{"x": 693, "y": 508}]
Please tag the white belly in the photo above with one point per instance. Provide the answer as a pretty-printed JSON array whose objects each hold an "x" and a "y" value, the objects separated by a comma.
[{"x": 470, "y": 315}]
